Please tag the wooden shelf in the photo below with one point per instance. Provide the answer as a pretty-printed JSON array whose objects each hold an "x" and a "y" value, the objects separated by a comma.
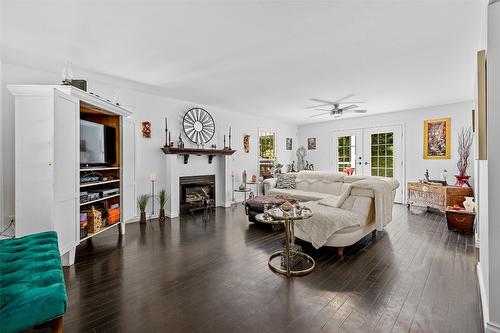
[
  {"x": 99, "y": 183},
  {"x": 97, "y": 233},
  {"x": 99, "y": 168},
  {"x": 186, "y": 152},
  {"x": 100, "y": 199}
]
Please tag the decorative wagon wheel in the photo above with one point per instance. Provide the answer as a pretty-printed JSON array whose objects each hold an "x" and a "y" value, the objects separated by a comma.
[{"x": 198, "y": 125}]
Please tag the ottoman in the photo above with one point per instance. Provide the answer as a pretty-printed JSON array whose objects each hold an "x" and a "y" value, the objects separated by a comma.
[
  {"x": 255, "y": 206},
  {"x": 31, "y": 283}
]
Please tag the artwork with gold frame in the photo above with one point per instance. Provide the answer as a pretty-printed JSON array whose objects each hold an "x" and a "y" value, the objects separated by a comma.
[{"x": 437, "y": 138}]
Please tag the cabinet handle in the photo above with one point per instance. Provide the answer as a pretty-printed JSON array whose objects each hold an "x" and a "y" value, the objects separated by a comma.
[{"x": 459, "y": 219}]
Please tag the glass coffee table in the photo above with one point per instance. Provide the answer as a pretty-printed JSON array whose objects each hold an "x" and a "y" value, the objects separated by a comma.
[{"x": 289, "y": 253}]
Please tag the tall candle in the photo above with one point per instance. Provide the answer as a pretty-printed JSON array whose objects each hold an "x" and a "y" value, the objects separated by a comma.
[
  {"x": 224, "y": 140},
  {"x": 169, "y": 139}
]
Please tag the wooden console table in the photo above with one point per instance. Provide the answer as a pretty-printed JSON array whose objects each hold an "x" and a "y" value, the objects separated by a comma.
[{"x": 437, "y": 196}]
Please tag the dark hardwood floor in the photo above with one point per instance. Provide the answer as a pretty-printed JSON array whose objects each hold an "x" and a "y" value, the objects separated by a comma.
[{"x": 191, "y": 275}]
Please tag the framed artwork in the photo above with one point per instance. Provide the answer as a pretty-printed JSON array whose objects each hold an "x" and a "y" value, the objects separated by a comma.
[
  {"x": 146, "y": 129},
  {"x": 246, "y": 143},
  {"x": 311, "y": 143},
  {"x": 288, "y": 144},
  {"x": 437, "y": 138}
]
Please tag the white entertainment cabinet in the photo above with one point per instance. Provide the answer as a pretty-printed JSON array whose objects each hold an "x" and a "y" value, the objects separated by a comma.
[{"x": 47, "y": 161}]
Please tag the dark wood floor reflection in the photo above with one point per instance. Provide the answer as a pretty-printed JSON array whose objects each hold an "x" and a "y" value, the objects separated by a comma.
[{"x": 191, "y": 275}]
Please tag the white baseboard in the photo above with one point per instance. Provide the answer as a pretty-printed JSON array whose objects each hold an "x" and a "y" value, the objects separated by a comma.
[
  {"x": 489, "y": 327},
  {"x": 137, "y": 217}
]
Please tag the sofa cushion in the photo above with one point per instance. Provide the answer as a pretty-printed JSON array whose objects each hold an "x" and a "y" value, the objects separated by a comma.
[
  {"x": 31, "y": 281},
  {"x": 286, "y": 181},
  {"x": 298, "y": 194}
]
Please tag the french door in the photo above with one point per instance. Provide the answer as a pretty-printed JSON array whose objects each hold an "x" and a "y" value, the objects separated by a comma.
[{"x": 374, "y": 151}]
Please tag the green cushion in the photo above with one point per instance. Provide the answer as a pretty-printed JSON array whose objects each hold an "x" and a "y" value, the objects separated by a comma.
[{"x": 32, "y": 288}]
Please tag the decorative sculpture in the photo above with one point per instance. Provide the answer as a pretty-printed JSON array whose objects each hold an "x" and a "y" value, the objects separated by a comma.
[{"x": 301, "y": 155}]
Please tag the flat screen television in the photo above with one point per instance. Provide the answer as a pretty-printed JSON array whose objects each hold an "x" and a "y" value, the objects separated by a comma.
[{"x": 97, "y": 144}]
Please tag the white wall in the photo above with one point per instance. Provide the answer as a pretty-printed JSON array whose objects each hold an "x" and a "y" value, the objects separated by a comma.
[
  {"x": 491, "y": 304},
  {"x": 413, "y": 123},
  {"x": 153, "y": 108}
]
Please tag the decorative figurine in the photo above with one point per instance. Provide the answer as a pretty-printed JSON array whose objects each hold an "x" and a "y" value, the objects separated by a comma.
[
  {"x": 180, "y": 144},
  {"x": 301, "y": 154},
  {"x": 426, "y": 175},
  {"x": 244, "y": 177}
]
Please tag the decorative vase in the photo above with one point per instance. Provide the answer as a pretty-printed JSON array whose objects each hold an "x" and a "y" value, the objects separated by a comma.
[
  {"x": 254, "y": 178},
  {"x": 469, "y": 204},
  {"x": 143, "y": 217},
  {"x": 162, "y": 215},
  {"x": 462, "y": 181}
]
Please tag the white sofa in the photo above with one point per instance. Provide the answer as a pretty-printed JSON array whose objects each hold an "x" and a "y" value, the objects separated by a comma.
[{"x": 312, "y": 186}]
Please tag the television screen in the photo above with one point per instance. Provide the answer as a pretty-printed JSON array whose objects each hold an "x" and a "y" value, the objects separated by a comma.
[{"x": 97, "y": 144}]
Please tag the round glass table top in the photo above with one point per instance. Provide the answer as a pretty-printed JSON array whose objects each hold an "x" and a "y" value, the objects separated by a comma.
[{"x": 294, "y": 214}]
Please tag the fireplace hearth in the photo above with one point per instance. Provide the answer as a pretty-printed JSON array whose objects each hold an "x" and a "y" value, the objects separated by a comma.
[{"x": 196, "y": 193}]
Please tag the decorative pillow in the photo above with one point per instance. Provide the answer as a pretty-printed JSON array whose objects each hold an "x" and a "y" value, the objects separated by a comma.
[{"x": 286, "y": 181}]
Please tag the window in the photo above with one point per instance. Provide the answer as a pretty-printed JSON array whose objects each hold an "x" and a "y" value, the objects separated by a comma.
[
  {"x": 346, "y": 153},
  {"x": 267, "y": 145},
  {"x": 382, "y": 146}
]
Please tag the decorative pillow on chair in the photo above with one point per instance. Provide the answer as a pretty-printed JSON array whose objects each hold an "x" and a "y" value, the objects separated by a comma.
[{"x": 286, "y": 181}]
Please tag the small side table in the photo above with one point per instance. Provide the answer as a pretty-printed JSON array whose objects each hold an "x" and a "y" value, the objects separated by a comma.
[
  {"x": 288, "y": 219},
  {"x": 256, "y": 186},
  {"x": 245, "y": 191},
  {"x": 460, "y": 219}
]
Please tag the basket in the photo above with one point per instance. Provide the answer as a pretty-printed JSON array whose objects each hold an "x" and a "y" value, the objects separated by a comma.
[{"x": 94, "y": 220}]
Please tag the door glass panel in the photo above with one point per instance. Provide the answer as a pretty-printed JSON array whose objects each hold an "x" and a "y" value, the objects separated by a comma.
[
  {"x": 346, "y": 153},
  {"x": 382, "y": 147}
]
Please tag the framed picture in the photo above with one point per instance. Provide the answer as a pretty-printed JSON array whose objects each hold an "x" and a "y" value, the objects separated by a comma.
[
  {"x": 311, "y": 143},
  {"x": 146, "y": 129},
  {"x": 437, "y": 138},
  {"x": 288, "y": 144}
]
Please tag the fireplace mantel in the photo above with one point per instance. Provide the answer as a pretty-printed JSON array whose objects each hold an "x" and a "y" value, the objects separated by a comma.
[{"x": 186, "y": 152}]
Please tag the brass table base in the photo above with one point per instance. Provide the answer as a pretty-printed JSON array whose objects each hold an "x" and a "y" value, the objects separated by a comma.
[
  {"x": 289, "y": 241},
  {"x": 290, "y": 272}
]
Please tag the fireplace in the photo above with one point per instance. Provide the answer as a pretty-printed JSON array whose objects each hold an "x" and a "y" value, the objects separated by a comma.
[{"x": 196, "y": 192}]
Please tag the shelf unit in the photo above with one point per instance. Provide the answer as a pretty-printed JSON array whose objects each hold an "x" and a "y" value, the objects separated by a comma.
[
  {"x": 99, "y": 200},
  {"x": 90, "y": 235},
  {"x": 99, "y": 183},
  {"x": 47, "y": 180}
]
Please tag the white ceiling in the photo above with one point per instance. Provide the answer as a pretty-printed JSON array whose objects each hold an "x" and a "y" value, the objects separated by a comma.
[{"x": 264, "y": 58}]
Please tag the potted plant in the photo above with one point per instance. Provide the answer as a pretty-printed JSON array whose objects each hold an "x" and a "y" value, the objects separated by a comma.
[
  {"x": 142, "y": 202},
  {"x": 464, "y": 150},
  {"x": 162, "y": 200}
]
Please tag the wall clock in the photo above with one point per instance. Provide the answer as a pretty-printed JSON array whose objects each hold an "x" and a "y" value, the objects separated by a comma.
[{"x": 198, "y": 125}]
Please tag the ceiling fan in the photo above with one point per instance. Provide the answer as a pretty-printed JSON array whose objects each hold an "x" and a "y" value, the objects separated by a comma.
[{"x": 334, "y": 108}]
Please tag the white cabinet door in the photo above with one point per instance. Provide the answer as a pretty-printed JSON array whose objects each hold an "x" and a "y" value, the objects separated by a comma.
[
  {"x": 128, "y": 169},
  {"x": 66, "y": 170}
]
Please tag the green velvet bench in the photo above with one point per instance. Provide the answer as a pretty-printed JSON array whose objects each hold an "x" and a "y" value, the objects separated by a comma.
[{"x": 32, "y": 290}]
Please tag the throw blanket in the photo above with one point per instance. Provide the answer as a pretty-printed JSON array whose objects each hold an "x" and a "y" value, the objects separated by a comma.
[
  {"x": 382, "y": 192},
  {"x": 325, "y": 222}
]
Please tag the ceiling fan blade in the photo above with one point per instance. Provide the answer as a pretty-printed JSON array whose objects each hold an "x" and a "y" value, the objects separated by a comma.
[
  {"x": 352, "y": 106},
  {"x": 319, "y": 114},
  {"x": 356, "y": 111},
  {"x": 323, "y": 110},
  {"x": 343, "y": 98},
  {"x": 322, "y": 101},
  {"x": 316, "y": 106}
]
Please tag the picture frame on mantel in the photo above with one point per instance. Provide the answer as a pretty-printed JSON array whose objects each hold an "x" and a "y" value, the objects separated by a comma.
[{"x": 437, "y": 141}]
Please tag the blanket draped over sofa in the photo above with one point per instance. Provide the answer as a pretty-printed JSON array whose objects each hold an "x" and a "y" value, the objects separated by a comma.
[{"x": 340, "y": 202}]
